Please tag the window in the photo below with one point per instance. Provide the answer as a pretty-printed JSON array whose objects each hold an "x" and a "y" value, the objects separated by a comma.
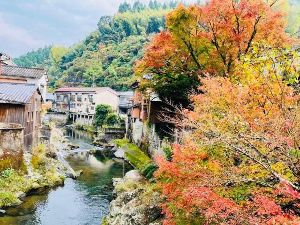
[
  {"x": 92, "y": 108},
  {"x": 32, "y": 116},
  {"x": 79, "y": 98},
  {"x": 65, "y": 98},
  {"x": 28, "y": 117},
  {"x": 91, "y": 98},
  {"x": 73, "y": 97},
  {"x": 58, "y": 97}
]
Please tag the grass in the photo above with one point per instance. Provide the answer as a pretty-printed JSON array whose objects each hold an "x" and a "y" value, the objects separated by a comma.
[
  {"x": 137, "y": 158},
  {"x": 12, "y": 182}
]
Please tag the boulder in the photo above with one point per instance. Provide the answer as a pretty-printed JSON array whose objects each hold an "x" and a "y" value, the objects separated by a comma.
[
  {"x": 133, "y": 175},
  {"x": 131, "y": 205},
  {"x": 120, "y": 153}
]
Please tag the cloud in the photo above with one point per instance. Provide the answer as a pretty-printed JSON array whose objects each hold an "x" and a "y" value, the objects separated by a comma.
[
  {"x": 13, "y": 37},
  {"x": 27, "y": 25}
]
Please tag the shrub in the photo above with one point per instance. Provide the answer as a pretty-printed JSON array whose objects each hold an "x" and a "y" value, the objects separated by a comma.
[
  {"x": 38, "y": 157},
  {"x": 7, "y": 173},
  {"x": 8, "y": 199},
  {"x": 12, "y": 161},
  {"x": 112, "y": 119},
  {"x": 102, "y": 111}
]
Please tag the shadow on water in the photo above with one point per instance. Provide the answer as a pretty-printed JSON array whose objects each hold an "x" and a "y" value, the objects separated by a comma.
[{"x": 79, "y": 202}]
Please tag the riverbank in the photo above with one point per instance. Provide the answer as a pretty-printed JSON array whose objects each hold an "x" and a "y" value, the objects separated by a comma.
[
  {"x": 41, "y": 169},
  {"x": 137, "y": 199},
  {"x": 136, "y": 202},
  {"x": 87, "y": 197},
  {"x": 15, "y": 185}
]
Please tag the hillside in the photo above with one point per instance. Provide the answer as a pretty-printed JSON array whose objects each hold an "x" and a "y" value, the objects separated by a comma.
[{"x": 106, "y": 57}]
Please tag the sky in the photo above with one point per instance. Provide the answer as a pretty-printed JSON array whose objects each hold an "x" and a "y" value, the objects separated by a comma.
[{"x": 27, "y": 25}]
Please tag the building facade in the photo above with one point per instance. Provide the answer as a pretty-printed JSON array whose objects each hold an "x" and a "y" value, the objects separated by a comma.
[
  {"x": 125, "y": 101},
  {"x": 80, "y": 103},
  {"x": 23, "y": 75},
  {"x": 22, "y": 104}
]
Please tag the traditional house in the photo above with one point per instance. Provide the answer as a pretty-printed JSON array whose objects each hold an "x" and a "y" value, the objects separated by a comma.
[
  {"x": 146, "y": 107},
  {"x": 125, "y": 101},
  {"x": 80, "y": 103},
  {"x": 23, "y": 75},
  {"x": 21, "y": 104}
]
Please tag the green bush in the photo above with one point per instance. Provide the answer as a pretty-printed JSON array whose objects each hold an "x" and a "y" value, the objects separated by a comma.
[
  {"x": 7, "y": 173},
  {"x": 8, "y": 199},
  {"x": 102, "y": 111},
  {"x": 84, "y": 127},
  {"x": 38, "y": 161},
  {"x": 112, "y": 119},
  {"x": 104, "y": 221},
  {"x": 149, "y": 171}
]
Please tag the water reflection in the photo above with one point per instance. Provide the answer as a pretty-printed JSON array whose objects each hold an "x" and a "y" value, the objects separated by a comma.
[{"x": 80, "y": 202}]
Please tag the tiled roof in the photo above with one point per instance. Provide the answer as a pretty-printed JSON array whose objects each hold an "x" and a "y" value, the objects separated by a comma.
[
  {"x": 85, "y": 89},
  {"x": 16, "y": 71},
  {"x": 16, "y": 93},
  {"x": 125, "y": 93}
]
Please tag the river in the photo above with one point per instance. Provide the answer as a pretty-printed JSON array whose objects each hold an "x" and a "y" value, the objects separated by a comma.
[{"x": 84, "y": 201}]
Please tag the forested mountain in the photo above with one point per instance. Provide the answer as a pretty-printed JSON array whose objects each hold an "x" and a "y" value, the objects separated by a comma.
[
  {"x": 40, "y": 57},
  {"x": 106, "y": 56}
]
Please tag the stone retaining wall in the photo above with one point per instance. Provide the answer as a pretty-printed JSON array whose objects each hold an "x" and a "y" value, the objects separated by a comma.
[{"x": 11, "y": 139}]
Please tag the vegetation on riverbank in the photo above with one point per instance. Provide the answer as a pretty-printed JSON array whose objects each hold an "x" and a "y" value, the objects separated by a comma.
[
  {"x": 85, "y": 127},
  {"x": 41, "y": 172},
  {"x": 106, "y": 117},
  {"x": 137, "y": 158}
]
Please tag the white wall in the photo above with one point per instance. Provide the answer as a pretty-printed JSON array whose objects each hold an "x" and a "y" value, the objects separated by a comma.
[
  {"x": 41, "y": 84},
  {"x": 108, "y": 98}
]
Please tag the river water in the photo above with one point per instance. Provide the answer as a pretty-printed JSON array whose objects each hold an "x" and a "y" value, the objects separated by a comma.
[{"x": 84, "y": 201}]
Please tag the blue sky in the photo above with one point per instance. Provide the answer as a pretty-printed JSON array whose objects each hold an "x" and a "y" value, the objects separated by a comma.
[{"x": 26, "y": 25}]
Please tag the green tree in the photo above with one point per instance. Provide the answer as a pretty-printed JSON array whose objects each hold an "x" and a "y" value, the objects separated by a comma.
[
  {"x": 138, "y": 6},
  {"x": 124, "y": 7},
  {"x": 57, "y": 52},
  {"x": 112, "y": 119},
  {"x": 102, "y": 111}
]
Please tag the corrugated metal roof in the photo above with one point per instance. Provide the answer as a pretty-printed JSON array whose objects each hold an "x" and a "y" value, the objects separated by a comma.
[
  {"x": 16, "y": 93},
  {"x": 85, "y": 89},
  {"x": 16, "y": 71}
]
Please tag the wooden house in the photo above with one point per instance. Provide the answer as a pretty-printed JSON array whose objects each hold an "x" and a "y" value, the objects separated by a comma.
[
  {"x": 21, "y": 104},
  {"x": 10, "y": 73}
]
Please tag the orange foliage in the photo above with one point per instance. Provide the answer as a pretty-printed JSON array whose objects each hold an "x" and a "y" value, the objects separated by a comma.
[
  {"x": 250, "y": 120},
  {"x": 228, "y": 29}
]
